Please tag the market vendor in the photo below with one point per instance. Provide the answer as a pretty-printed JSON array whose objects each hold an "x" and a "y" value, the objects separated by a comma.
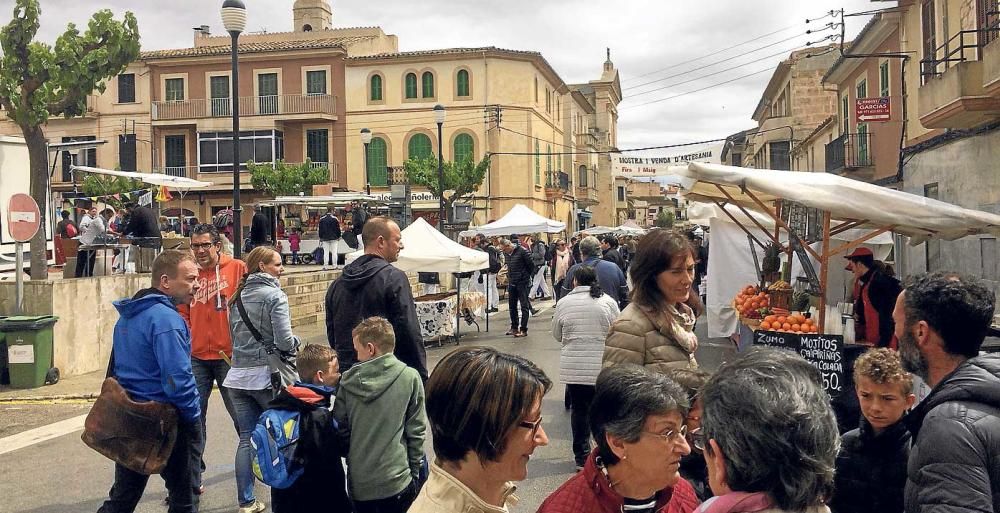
[{"x": 874, "y": 298}]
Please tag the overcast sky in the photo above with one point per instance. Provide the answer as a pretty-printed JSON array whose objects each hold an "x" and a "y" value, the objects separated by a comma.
[{"x": 645, "y": 37}]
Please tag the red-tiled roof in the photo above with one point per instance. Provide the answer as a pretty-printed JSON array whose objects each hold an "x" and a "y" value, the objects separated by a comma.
[{"x": 274, "y": 46}]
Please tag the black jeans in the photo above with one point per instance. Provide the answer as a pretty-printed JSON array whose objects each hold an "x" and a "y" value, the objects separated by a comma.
[
  {"x": 581, "y": 396},
  {"x": 85, "y": 260},
  {"x": 398, "y": 503},
  {"x": 518, "y": 293},
  {"x": 207, "y": 372},
  {"x": 177, "y": 475}
]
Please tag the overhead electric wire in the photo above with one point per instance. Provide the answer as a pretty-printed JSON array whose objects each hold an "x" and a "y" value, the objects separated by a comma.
[
  {"x": 737, "y": 56},
  {"x": 716, "y": 52},
  {"x": 700, "y": 89}
]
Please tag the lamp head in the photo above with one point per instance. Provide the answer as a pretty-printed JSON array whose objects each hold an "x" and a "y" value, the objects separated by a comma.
[
  {"x": 366, "y": 136},
  {"x": 234, "y": 16},
  {"x": 439, "y": 114}
]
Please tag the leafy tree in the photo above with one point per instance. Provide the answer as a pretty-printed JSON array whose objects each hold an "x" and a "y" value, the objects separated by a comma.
[
  {"x": 286, "y": 179},
  {"x": 38, "y": 81},
  {"x": 108, "y": 186},
  {"x": 665, "y": 219},
  {"x": 463, "y": 178}
]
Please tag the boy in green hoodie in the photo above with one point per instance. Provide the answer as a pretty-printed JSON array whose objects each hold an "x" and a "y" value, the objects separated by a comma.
[{"x": 381, "y": 403}]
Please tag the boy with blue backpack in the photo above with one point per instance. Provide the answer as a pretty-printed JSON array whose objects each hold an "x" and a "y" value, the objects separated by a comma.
[
  {"x": 297, "y": 450},
  {"x": 381, "y": 402}
]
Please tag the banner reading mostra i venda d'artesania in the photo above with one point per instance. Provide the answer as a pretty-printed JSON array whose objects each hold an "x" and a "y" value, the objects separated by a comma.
[{"x": 638, "y": 167}]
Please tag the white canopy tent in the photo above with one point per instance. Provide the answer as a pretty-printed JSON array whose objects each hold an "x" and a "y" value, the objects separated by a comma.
[
  {"x": 851, "y": 204},
  {"x": 177, "y": 182},
  {"x": 427, "y": 250},
  {"x": 520, "y": 219}
]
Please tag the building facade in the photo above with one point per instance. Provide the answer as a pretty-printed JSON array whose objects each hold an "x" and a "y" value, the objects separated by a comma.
[{"x": 794, "y": 103}]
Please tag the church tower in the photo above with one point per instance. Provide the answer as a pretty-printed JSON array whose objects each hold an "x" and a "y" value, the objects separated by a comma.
[{"x": 310, "y": 15}]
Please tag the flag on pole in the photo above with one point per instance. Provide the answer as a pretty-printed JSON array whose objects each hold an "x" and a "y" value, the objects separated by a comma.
[{"x": 163, "y": 194}]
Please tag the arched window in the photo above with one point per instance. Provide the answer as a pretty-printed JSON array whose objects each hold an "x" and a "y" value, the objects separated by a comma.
[
  {"x": 377, "y": 161},
  {"x": 462, "y": 87},
  {"x": 581, "y": 180},
  {"x": 376, "y": 88},
  {"x": 464, "y": 148},
  {"x": 411, "y": 85},
  {"x": 548, "y": 164},
  {"x": 419, "y": 147},
  {"x": 538, "y": 164},
  {"x": 428, "y": 83}
]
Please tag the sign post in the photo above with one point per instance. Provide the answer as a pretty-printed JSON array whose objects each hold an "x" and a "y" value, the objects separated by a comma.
[
  {"x": 24, "y": 219},
  {"x": 872, "y": 109}
]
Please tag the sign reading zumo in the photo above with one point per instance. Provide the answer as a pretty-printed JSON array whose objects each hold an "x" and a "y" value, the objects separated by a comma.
[
  {"x": 825, "y": 352},
  {"x": 872, "y": 109}
]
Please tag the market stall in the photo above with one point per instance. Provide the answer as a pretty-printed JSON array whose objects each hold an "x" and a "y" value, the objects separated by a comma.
[
  {"x": 520, "y": 219},
  {"x": 304, "y": 212},
  {"x": 842, "y": 204},
  {"x": 425, "y": 249}
]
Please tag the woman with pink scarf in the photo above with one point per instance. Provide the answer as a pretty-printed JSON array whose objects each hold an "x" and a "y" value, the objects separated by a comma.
[{"x": 769, "y": 436}]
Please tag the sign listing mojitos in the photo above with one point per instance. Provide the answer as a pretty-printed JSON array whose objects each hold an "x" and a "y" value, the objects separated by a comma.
[
  {"x": 825, "y": 352},
  {"x": 637, "y": 167}
]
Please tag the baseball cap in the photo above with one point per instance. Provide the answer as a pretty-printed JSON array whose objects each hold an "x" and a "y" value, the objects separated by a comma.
[{"x": 860, "y": 252}]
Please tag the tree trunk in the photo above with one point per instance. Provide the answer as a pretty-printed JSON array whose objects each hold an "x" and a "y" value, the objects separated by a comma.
[{"x": 39, "y": 162}]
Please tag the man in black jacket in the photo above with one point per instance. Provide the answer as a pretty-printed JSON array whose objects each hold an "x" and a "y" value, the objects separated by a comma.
[
  {"x": 329, "y": 238},
  {"x": 143, "y": 229},
  {"x": 371, "y": 286},
  {"x": 609, "y": 244},
  {"x": 941, "y": 322},
  {"x": 520, "y": 270},
  {"x": 260, "y": 228}
]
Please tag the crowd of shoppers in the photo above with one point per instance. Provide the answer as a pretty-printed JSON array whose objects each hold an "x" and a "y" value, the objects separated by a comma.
[{"x": 651, "y": 432}]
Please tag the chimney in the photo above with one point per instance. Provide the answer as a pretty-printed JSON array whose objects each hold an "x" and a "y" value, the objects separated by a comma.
[{"x": 203, "y": 31}]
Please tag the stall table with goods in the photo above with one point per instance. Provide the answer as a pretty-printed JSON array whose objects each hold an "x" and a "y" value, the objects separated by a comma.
[{"x": 302, "y": 213}]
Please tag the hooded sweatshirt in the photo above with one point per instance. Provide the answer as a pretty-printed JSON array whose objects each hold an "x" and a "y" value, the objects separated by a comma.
[
  {"x": 371, "y": 286},
  {"x": 152, "y": 348},
  {"x": 381, "y": 402},
  {"x": 209, "y": 325},
  {"x": 954, "y": 463},
  {"x": 318, "y": 448}
]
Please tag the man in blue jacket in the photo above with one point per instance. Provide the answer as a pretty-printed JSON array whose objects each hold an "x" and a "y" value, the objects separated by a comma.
[
  {"x": 151, "y": 359},
  {"x": 609, "y": 275}
]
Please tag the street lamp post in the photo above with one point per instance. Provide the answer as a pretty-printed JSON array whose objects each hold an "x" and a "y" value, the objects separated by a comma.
[
  {"x": 439, "y": 115},
  {"x": 234, "y": 18},
  {"x": 366, "y": 138}
]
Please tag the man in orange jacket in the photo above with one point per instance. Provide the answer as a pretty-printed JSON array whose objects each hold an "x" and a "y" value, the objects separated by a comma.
[{"x": 208, "y": 318}]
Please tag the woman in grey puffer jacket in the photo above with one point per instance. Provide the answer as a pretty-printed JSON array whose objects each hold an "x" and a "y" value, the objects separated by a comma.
[
  {"x": 581, "y": 323},
  {"x": 249, "y": 380}
]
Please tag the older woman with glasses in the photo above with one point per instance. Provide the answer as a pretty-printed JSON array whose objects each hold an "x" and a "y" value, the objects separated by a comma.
[
  {"x": 485, "y": 412},
  {"x": 771, "y": 437},
  {"x": 637, "y": 419}
]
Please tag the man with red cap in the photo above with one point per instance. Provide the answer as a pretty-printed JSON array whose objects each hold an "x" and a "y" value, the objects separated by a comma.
[{"x": 874, "y": 298}]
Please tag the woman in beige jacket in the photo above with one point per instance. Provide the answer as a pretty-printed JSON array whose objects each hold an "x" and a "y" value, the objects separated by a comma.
[{"x": 657, "y": 329}]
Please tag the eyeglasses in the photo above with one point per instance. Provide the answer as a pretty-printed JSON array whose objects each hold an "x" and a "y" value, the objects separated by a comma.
[
  {"x": 203, "y": 245},
  {"x": 697, "y": 439},
  {"x": 533, "y": 426},
  {"x": 671, "y": 436}
]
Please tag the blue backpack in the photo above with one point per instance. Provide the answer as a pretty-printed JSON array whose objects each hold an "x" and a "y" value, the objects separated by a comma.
[{"x": 273, "y": 442}]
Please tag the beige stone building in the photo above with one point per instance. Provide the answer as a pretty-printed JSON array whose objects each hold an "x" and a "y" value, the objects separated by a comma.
[
  {"x": 306, "y": 94},
  {"x": 793, "y": 104}
]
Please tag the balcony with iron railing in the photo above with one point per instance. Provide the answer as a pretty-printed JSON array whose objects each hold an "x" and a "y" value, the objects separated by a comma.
[
  {"x": 991, "y": 56},
  {"x": 556, "y": 183},
  {"x": 586, "y": 187},
  {"x": 952, "y": 93},
  {"x": 851, "y": 155},
  {"x": 223, "y": 173},
  {"x": 289, "y": 105}
]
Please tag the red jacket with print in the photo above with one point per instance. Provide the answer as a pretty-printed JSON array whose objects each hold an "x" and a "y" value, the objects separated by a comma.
[{"x": 589, "y": 492}]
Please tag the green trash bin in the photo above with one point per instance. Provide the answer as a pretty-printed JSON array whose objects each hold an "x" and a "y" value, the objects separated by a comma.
[{"x": 29, "y": 350}]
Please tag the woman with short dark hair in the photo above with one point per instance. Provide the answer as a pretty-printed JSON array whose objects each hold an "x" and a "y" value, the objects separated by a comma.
[
  {"x": 656, "y": 330},
  {"x": 637, "y": 419},
  {"x": 485, "y": 412}
]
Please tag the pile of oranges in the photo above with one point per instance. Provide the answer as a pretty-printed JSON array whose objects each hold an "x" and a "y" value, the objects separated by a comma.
[
  {"x": 792, "y": 323},
  {"x": 752, "y": 303}
]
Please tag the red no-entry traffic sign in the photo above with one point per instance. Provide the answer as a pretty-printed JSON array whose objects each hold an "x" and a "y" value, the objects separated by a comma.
[
  {"x": 23, "y": 217},
  {"x": 872, "y": 109}
]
